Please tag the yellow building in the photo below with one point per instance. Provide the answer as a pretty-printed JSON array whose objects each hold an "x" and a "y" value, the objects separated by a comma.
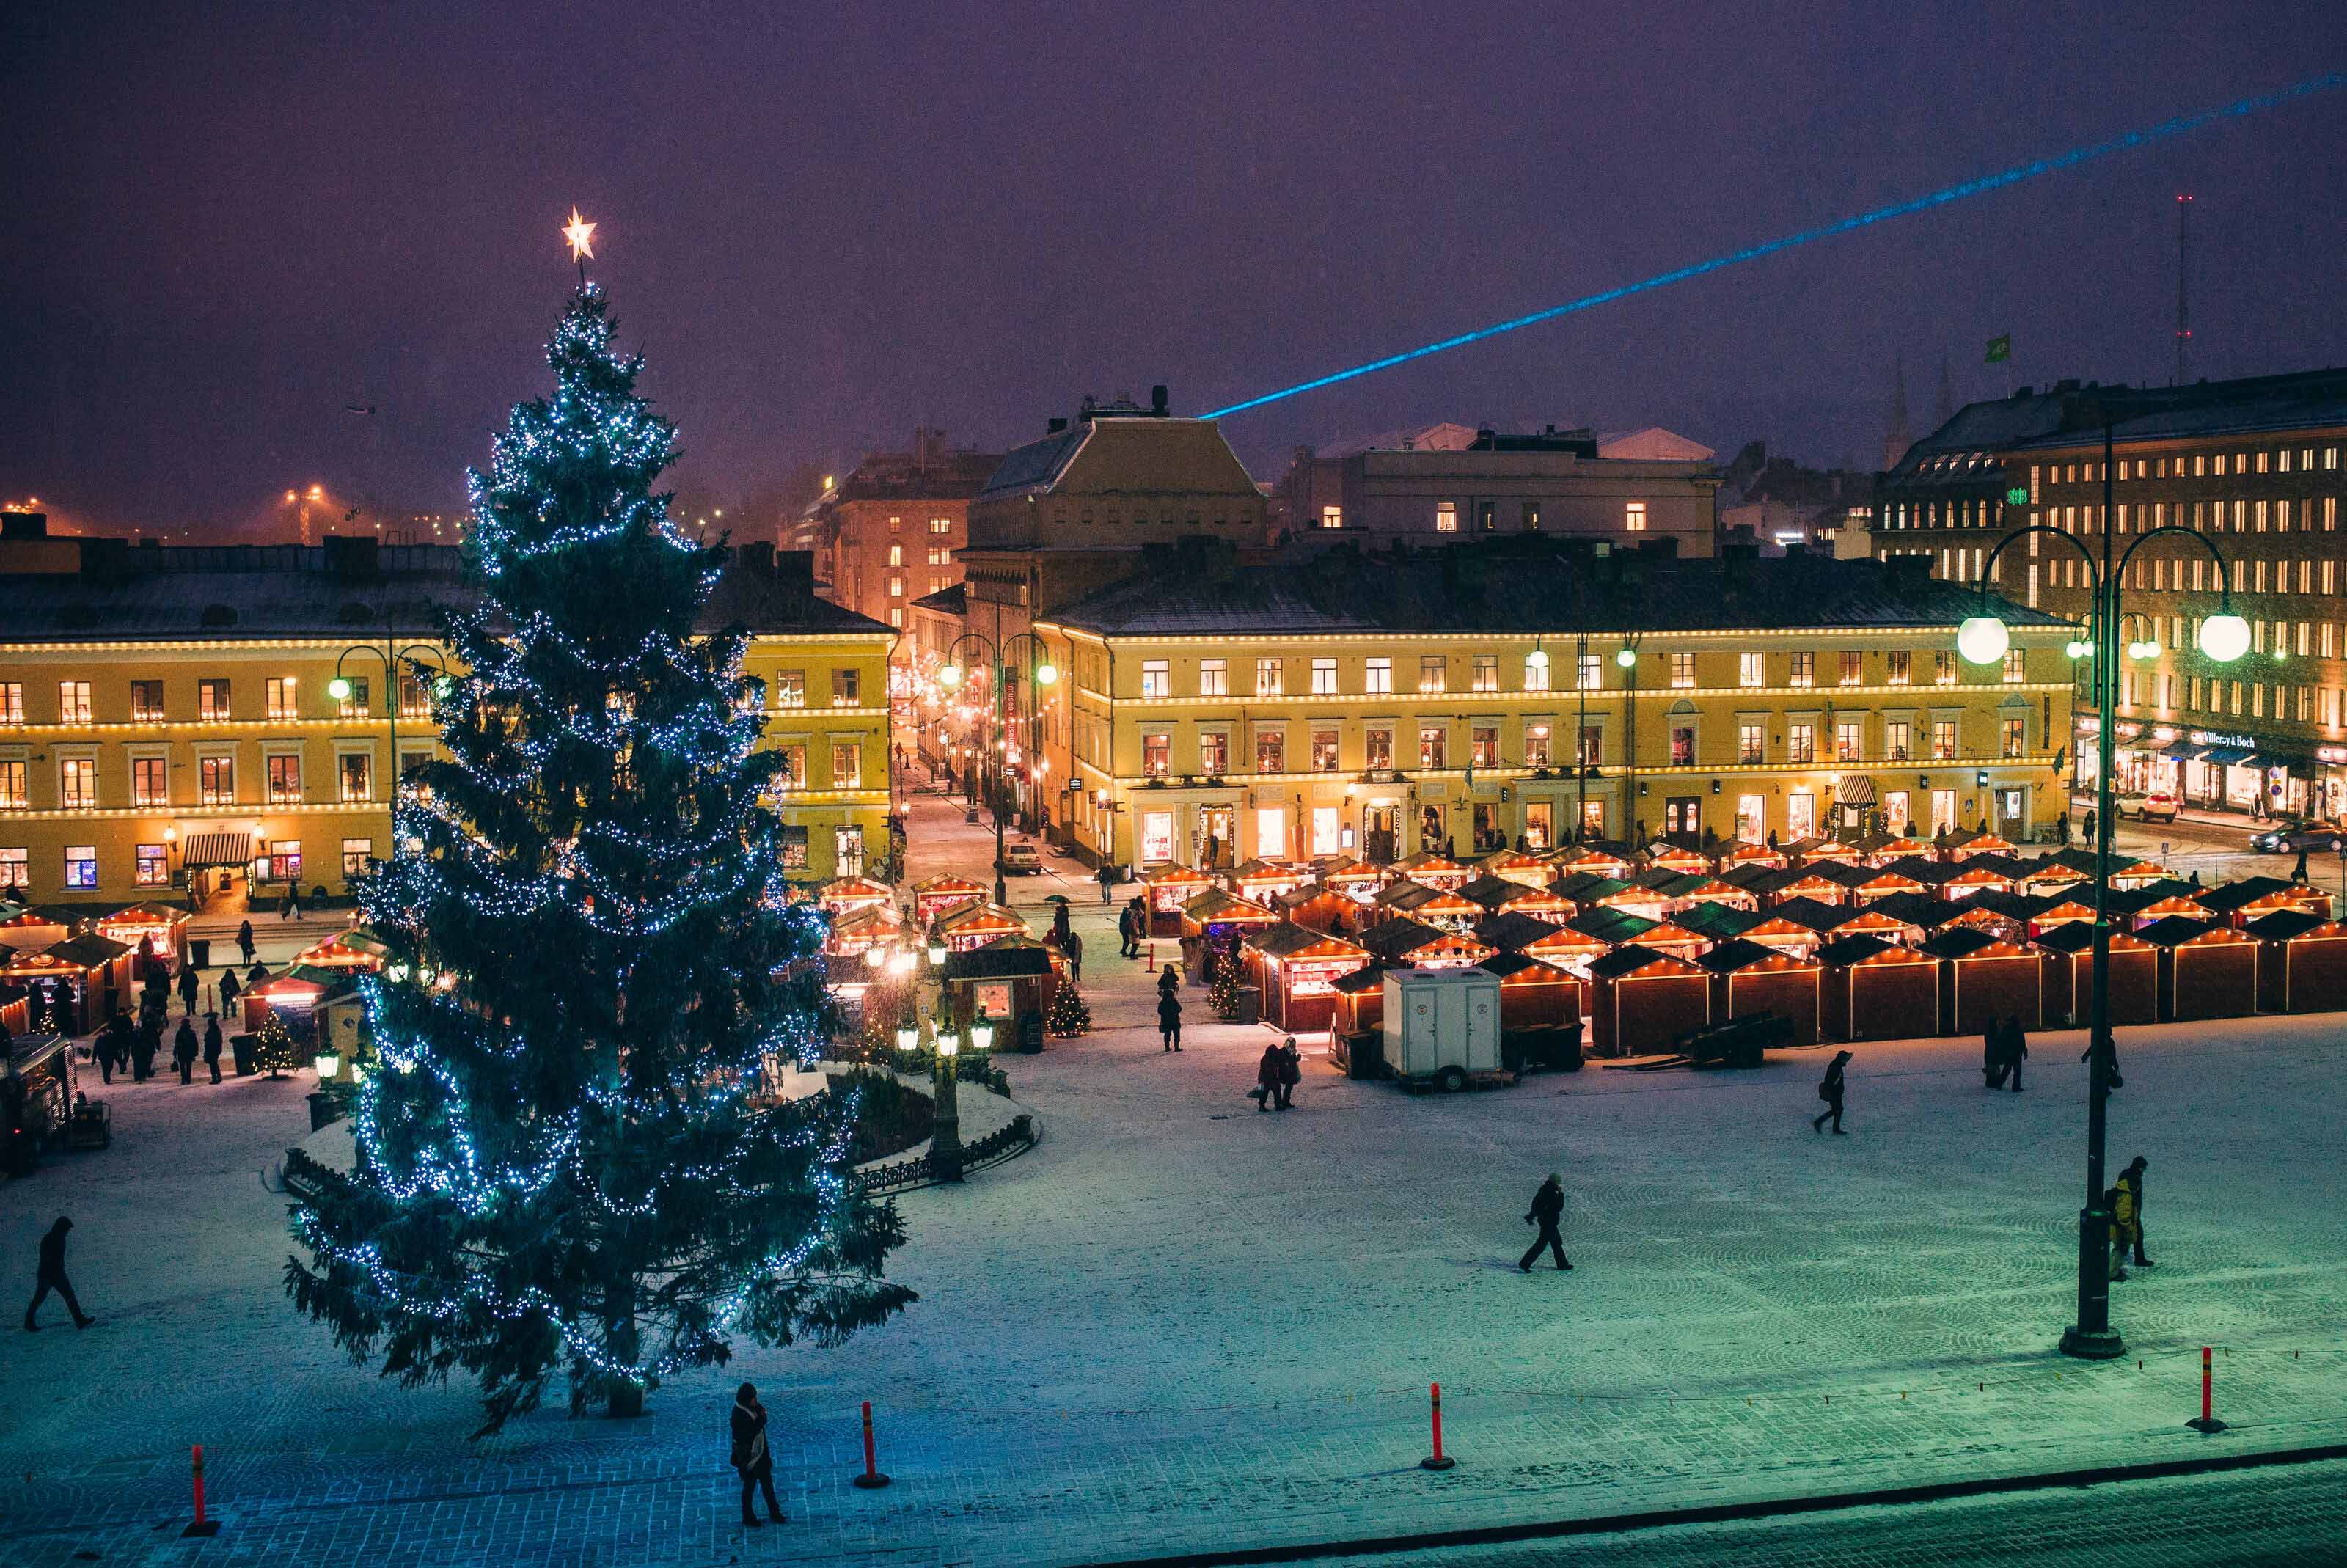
[
  {"x": 1378, "y": 704},
  {"x": 167, "y": 716}
]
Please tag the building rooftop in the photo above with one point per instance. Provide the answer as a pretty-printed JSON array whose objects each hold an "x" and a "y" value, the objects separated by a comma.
[
  {"x": 339, "y": 588},
  {"x": 1520, "y": 584}
]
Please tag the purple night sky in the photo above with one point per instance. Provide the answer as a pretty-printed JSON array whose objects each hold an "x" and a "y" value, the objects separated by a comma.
[{"x": 826, "y": 224}]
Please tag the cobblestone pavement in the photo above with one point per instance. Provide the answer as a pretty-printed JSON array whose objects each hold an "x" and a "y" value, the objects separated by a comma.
[
  {"x": 1181, "y": 1324},
  {"x": 2285, "y": 1516}
]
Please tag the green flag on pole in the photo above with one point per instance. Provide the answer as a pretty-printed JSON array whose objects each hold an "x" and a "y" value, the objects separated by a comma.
[{"x": 2000, "y": 349}]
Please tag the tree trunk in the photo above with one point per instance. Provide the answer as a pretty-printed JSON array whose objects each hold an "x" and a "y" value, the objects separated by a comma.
[{"x": 625, "y": 1397}]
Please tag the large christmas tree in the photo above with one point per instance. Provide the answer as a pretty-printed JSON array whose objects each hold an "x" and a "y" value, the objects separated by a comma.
[{"x": 564, "y": 1168}]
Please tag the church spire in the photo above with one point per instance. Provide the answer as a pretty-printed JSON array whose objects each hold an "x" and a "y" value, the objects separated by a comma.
[{"x": 1896, "y": 441}]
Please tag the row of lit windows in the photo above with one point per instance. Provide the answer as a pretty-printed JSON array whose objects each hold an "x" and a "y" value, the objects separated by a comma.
[
  {"x": 936, "y": 526},
  {"x": 281, "y": 701},
  {"x": 1800, "y": 745},
  {"x": 2243, "y": 515},
  {"x": 2204, "y": 465},
  {"x": 150, "y": 781},
  {"x": 151, "y": 863},
  {"x": 2158, "y": 691},
  {"x": 1434, "y": 672},
  {"x": 939, "y": 554}
]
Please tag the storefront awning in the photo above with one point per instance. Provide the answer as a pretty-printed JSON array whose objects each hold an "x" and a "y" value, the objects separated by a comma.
[
  {"x": 205, "y": 850},
  {"x": 1856, "y": 790},
  {"x": 2297, "y": 766},
  {"x": 2184, "y": 752},
  {"x": 2226, "y": 756}
]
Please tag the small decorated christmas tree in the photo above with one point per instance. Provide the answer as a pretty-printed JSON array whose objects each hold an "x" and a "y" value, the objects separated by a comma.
[
  {"x": 1223, "y": 992},
  {"x": 1067, "y": 1016},
  {"x": 277, "y": 1053}
]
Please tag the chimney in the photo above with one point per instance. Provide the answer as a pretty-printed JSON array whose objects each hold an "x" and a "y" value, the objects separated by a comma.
[
  {"x": 350, "y": 555},
  {"x": 758, "y": 556},
  {"x": 24, "y": 525},
  {"x": 795, "y": 570},
  {"x": 1157, "y": 400},
  {"x": 1054, "y": 426}
]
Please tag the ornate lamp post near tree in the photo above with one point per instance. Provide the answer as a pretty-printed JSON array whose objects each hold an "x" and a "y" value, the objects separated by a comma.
[
  {"x": 1983, "y": 640},
  {"x": 1043, "y": 673},
  {"x": 418, "y": 654}
]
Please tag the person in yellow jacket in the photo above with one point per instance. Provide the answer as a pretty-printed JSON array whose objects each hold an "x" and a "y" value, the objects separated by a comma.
[{"x": 2123, "y": 1224}]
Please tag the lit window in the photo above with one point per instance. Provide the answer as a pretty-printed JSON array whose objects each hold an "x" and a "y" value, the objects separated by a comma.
[
  {"x": 1156, "y": 754},
  {"x": 355, "y": 772},
  {"x": 151, "y": 865},
  {"x": 2015, "y": 736},
  {"x": 73, "y": 702},
  {"x": 16, "y": 868},
  {"x": 1592, "y": 672},
  {"x": 81, "y": 866},
  {"x": 1377, "y": 675},
  {"x": 1156, "y": 679},
  {"x": 1213, "y": 678},
  {"x": 1536, "y": 674},
  {"x": 846, "y": 764},
  {"x": 77, "y": 782},
  {"x": 1214, "y": 753},
  {"x": 146, "y": 702},
  {"x": 1446, "y": 517},
  {"x": 1324, "y": 677},
  {"x": 1683, "y": 672},
  {"x": 12, "y": 786},
  {"x": 1485, "y": 675},
  {"x": 1270, "y": 677},
  {"x": 1944, "y": 740},
  {"x": 2015, "y": 667},
  {"x": 284, "y": 779},
  {"x": 1849, "y": 740},
  {"x": 216, "y": 781},
  {"x": 1805, "y": 670},
  {"x": 1324, "y": 750},
  {"x": 1853, "y": 668},
  {"x": 149, "y": 782},
  {"x": 1332, "y": 516},
  {"x": 1750, "y": 742},
  {"x": 1377, "y": 747},
  {"x": 284, "y": 859},
  {"x": 1899, "y": 666},
  {"x": 356, "y": 854},
  {"x": 12, "y": 702},
  {"x": 284, "y": 697},
  {"x": 1433, "y": 672},
  {"x": 846, "y": 686},
  {"x": 1802, "y": 745},
  {"x": 1270, "y": 752},
  {"x": 1943, "y": 667},
  {"x": 1535, "y": 746},
  {"x": 1748, "y": 672},
  {"x": 1432, "y": 742},
  {"x": 1634, "y": 517}
]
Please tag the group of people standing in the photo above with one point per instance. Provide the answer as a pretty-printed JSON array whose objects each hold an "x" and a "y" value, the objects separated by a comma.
[{"x": 1277, "y": 1076}]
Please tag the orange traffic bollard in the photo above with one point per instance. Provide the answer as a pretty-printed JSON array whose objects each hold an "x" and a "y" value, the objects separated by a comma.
[
  {"x": 1438, "y": 1459},
  {"x": 203, "y": 1526},
  {"x": 2208, "y": 1425},
  {"x": 871, "y": 1477}
]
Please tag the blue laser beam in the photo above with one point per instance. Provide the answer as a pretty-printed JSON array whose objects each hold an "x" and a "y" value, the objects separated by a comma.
[{"x": 2163, "y": 132}]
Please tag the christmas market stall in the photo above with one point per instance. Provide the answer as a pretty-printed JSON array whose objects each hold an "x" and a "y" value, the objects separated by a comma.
[
  {"x": 1520, "y": 866},
  {"x": 1412, "y": 944},
  {"x": 1319, "y": 908},
  {"x": 1212, "y": 924},
  {"x": 2053, "y": 874},
  {"x": 2253, "y": 897},
  {"x": 1664, "y": 855},
  {"x": 1257, "y": 880},
  {"x": 969, "y": 926},
  {"x": 1534, "y": 995},
  {"x": 1774, "y": 929},
  {"x": 875, "y": 928},
  {"x": 1749, "y": 978},
  {"x": 2155, "y": 901},
  {"x": 1641, "y": 1001},
  {"x": 1589, "y": 892},
  {"x": 844, "y": 896},
  {"x": 1717, "y": 922},
  {"x": 1864, "y": 884},
  {"x": 1978, "y": 874},
  {"x": 1297, "y": 970},
  {"x": 1350, "y": 877},
  {"x": 1505, "y": 897},
  {"x": 1964, "y": 847},
  {"x": 1435, "y": 869},
  {"x": 2301, "y": 962},
  {"x": 71, "y": 987},
  {"x": 1433, "y": 906},
  {"x": 346, "y": 949},
  {"x": 1874, "y": 989},
  {"x": 159, "y": 924},
  {"x": 1561, "y": 947},
  {"x": 2139, "y": 874},
  {"x": 297, "y": 996},
  {"x": 1984, "y": 981},
  {"x": 1591, "y": 858},
  {"x": 1010, "y": 979},
  {"x": 2205, "y": 970},
  {"x": 1357, "y": 1004},
  {"x": 1741, "y": 856},
  {"x": 1775, "y": 884},
  {"x": 1682, "y": 891},
  {"x": 25, "y": 929},
  {"x": 2068, "y": 952},
  {"x": 933, "y": 896},
  {"x": 1169, "y": 887}
]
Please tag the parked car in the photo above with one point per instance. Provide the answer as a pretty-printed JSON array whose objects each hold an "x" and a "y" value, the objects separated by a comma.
[
  {"x": 1020, "y": 860},
  {"x": 2157, "y": 806},
  {"x": 2293, "y": 834}
]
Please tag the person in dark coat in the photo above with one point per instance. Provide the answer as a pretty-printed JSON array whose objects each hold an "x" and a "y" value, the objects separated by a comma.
[
  {"x": 1107, "y": 876},
  {"x": 1073, "y": 947},
  {"x": 255, "y": 975},
  {"x": 1830, "y": 1090},
  {"x": 144, "y": 1048},
  {"x": 1548, "y": 1212},
  {"x": 2090, "y": 826},
  {"x": 229, "y": 990},
  {"x": 1124, "y": 932},
  {"x": 2016, "y": 1051},
  {"x": 183, "y": 1051},
  {"x": 1993, "y": 1056},
  {"x": 1266, "y": 1080},
  {"x": 111, "y": 1046},
  {"x": 49, "y": 1274},
  {"x": 2132, "y": 1179},
  {"x": 750, "y": 1457},
  {"x": 189, "y": 986},
  {"x": 1169, "y": 1017},
  {"x": 1291, "y": 1073},
  {"x": 212, "y": 1044},
  {"x": 2298, "y": 872},
  {"x": 1169, "y": 979},
  {"x": 244, "y": 939}
]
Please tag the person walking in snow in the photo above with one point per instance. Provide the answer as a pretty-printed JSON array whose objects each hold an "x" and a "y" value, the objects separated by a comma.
[
  {"x": 1266, "y": 1080},
  {"x": 2090, "y": 824},
  {"x": 751, "y": 1459},
  {"x": 183, "y": 1051},
  {"x": 144, "y": 1048},
  {"x": 1548, "y": 1212},
  {"x": 244, "y": 939},
  {"x": 212, "y": 1044},
  {"x": 229, "y": 990},
  {"x": 1073, "y": 947},
  {"x": 1169, "y": 1018},
  {"x": 2132, "y": 1180},
  {"x": 2121, "y": 1202},
  {"x": 1291, "y": 1073},
  {"x": 1169, "y": 979},
  {"x": 1107, "y": 876},
  {"x": 1830, "y": 1090},
  {"x": 1993, "y": 1056},
  {"x": 189, "y": 986},
  {"x": 2016, "y": 1051},
  {"x": 1124, "y": 932},
  {"x": 49, "y": 1274}
]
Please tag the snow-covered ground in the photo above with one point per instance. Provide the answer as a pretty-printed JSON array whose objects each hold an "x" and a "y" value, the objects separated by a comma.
[{"x": 1180, "y": 1323}]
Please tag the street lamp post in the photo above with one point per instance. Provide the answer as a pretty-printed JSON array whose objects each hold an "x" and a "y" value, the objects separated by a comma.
[
  {"x": 1983, "y": 640},
  {"x": 1044, "y": 673},
  {"x": 1628, "y": 658},
  {"x": 339, "y": 689}
]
